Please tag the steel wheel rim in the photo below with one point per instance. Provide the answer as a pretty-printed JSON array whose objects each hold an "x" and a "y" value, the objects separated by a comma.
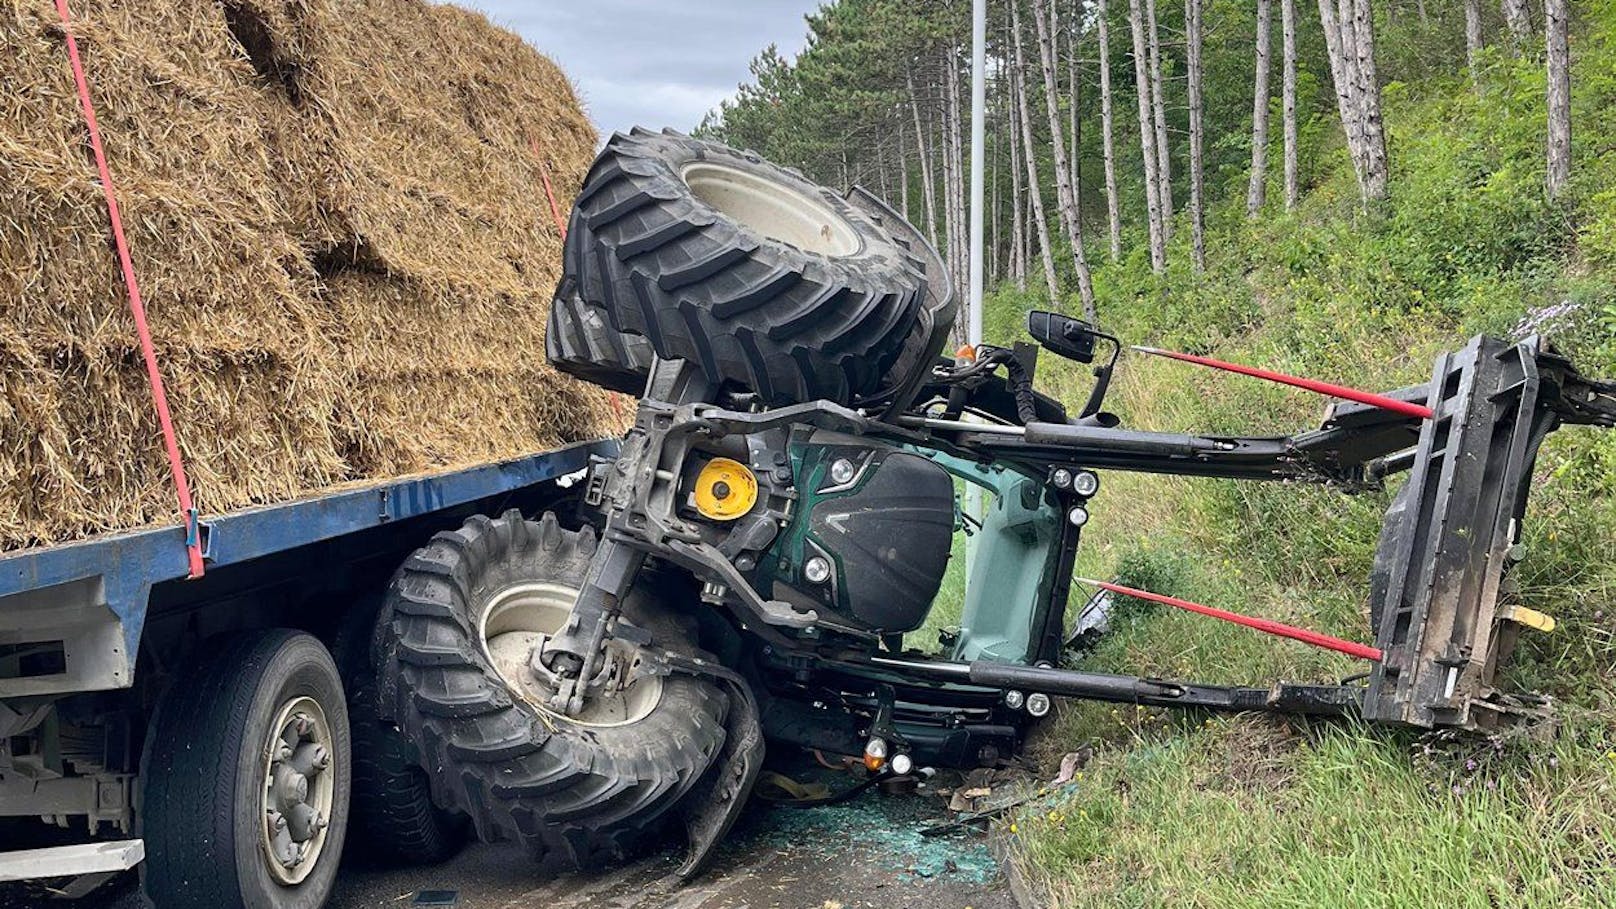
[
  {"x": 299, "y": 790},
  {"x": 516, "y": 619},
  {"x": 780, "y": 213}
]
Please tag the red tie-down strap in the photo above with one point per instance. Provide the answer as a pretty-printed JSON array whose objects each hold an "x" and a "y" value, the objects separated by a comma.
[
  {"x": 176, "y": 463},
  {"x": 561, "y": 227}
]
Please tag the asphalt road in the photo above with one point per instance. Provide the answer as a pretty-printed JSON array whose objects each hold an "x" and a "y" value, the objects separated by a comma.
[{"x": 865, "y": 853}]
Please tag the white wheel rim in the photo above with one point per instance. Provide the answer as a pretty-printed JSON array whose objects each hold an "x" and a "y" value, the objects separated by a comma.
[
  {"x": 777, "y": 212},
  {"x": 518, "y": 619},
  {"x": 299, "y": 788}
]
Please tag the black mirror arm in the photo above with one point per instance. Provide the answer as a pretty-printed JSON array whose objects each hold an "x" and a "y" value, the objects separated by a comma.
[{"x": 1102, "y": 377}]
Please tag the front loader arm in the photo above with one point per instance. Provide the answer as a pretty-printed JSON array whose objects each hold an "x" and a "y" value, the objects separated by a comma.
[{"x": 1444, "y": 614}]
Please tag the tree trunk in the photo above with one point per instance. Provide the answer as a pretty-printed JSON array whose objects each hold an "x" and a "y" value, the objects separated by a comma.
[
  {"x": 1065, "y": 194},
  {"x": 1520, "y": 23},
  {"x": 1473, "y": 37},
  {"x": 1340, "y": 75},
  {"x": 881, "y": 171},
  {"x": 1147, "y": 137},
  {"x": 1113, "y": 208},
  {"x": 1018, "y": 219},
  {"x": 1074, "y": 95},
  {"x": 1287, "y": 15},
  {"x": 946, "y": 168},
  {"x": 1556, "y": 30},
  {"x": 1257, "y": 189},
  {"x": 929, "y": 189},
  {"x": 1164, "y": 167},
  {"x": 1192, "y": 29},
  {"x": 1039, "y": 222},
  {"x": 903, "y": 175},
  {"x": 993, "y": 264},
  {"x": 1376, "y": 178},
  {"x": 962, "y": 261}
]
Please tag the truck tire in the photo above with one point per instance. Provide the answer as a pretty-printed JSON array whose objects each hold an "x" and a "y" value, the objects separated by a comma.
[
  {"x": 765, "y": 280},
  {"x": 224, "y": 807},
  {"x": 460, "y": 618},
  {"x": 392, "y": 797},
  {"x": 580, "y": 340}
]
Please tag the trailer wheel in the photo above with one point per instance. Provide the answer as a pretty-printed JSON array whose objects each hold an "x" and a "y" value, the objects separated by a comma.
[
  {"x": 245, "y": 782},
  {"x": 392, "y": 797},
  {"x": 461, "y": 618},
  {"x": 764, "y": 279}
]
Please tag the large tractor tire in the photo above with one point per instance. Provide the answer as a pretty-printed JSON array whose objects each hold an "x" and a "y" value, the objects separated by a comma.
[
  {"x": 580, "y": 340},
  {"x": 770, "y": 283},
  {"x": 461, "y": 619},
  {"x": 245, "y": 778}
]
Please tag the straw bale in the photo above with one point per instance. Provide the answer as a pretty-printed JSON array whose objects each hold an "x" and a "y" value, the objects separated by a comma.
[{"x": 335, "y": 212}]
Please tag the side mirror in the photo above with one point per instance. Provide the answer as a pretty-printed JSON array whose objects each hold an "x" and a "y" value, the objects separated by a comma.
[{"x": 1071, "y": 338}]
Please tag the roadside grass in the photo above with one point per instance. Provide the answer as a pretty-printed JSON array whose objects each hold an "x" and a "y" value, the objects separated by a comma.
[
  {"x": 1196, "y": 810},
  {"x": 1242, "y": 812}
]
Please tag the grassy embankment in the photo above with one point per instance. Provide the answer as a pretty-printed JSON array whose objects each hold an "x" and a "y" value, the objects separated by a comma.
[{"x": 1177, "y": 810}]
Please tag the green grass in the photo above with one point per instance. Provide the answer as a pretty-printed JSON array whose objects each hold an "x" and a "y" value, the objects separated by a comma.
[{"x": 1183, "y": 810}]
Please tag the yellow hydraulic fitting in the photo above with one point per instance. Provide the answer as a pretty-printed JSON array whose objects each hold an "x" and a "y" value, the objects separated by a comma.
[
  {"x": 1531, "y": 618},
  {"x": 725, "y": 490}
]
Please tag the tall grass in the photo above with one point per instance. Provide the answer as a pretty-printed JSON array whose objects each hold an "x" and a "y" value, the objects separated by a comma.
[{"x": 1251, "y": 812}]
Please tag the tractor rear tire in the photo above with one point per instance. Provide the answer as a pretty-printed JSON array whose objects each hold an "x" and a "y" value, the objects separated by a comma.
[
  {"x": 580, "y": 340},
  {"x": 577, "y": 792},
  {"x": 765, "y": 280}
]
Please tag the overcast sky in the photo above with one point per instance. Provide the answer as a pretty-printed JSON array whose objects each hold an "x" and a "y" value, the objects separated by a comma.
[{"x": 653, "y": 63}]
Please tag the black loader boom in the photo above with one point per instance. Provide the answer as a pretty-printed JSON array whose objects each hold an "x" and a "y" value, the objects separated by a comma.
[{"x": 1445, "y": 620}]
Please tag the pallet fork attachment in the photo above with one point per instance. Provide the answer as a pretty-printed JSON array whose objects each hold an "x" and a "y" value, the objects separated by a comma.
[{"x": 1441, "y": 596}]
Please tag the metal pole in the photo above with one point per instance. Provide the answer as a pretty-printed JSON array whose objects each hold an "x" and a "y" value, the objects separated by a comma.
[
  {"x": 973, "y": 302},
  {"x": 979, "y": 53}
]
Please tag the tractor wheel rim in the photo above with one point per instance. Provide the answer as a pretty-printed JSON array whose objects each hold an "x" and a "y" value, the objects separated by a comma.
[
  {"x": 520, "y": 618},
  {"x": 299, "y": 789},
  {"x": 778, "y": 212}
]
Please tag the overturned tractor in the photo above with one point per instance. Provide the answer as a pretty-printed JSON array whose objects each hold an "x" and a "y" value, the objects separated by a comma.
[{"x": 781, "y": 513}]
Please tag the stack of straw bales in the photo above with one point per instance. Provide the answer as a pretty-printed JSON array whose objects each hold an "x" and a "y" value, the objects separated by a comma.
[{"x": 336, "y": 214}]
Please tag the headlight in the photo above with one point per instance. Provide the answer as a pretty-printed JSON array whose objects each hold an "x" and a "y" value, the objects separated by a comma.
[{"x": 1086, "y": 483}]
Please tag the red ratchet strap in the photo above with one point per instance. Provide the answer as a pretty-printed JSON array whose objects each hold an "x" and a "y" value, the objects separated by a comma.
[
  {"x": 1268, "y": 626},
  {"x": 561, "y": 225},
  {"x": 555, "y": 210},
  {"x": 176, "y": 464}
]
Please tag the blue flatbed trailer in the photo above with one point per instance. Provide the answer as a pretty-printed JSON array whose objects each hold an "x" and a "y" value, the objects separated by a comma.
[{"x": 89, "y": 629}]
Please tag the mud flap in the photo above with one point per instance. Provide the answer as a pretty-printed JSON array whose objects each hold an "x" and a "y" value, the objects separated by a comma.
[{"x": 712, "y": 808}]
